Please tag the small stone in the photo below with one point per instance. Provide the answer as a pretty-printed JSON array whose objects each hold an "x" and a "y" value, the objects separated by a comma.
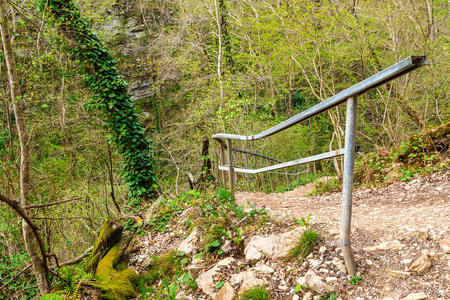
[
  {"x": 316, "y": 283},
  {"x": 423, "y": 236},
  {"x": 182, "y": 296},
  {"x": 323, "y": 270},
  {"x": 421, "y": 265},
  {"x": 314, "y": 262},
  {"x": 252, "y": 254},
  {"x": 389, "y": 245},
  {"x": 416, "y": 296},
  {"x": 225, "y": 293},
  {"x": 194, "y": 271},
  {"x": 340, "y": 265},
  {"x": 445, "y": 245},
  {"x": 226, "y": 247},
  {"x": 369, "y": 262},
  {"x": 188, "y": 245},
  {"x": 331, "y": 279},
  {"x": 295, "y": 297},
  {"x": 398, "y": 274},
  {"x": 249, "y": 280},
  {"x": 322, "y": 249},
  {"x": 264, "y": 269},
  {"x": 406, "y": 261},
  {"x": 302, "y": 281},
  {"x": 308, "y": 296}
]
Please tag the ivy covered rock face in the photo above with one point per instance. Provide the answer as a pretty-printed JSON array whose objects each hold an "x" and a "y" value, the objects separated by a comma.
[{"x": 110, "y": 91}]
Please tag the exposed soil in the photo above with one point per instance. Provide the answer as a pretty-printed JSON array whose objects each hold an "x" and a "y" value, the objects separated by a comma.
[{"x": 415, "y": 213}]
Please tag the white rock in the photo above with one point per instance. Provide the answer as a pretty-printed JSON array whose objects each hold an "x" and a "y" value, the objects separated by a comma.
[
  {"x": 445, "y": 245},
  {"x": 236, "y": 279},
  {"x": 322, "y": 249},
  {"x": 416, "y": 296},
  {"x": 273, "y": 246},
  {"x": 205, "y": 281},
  {"x": 295, "y": 297},
  {"x": 389, "y": 245},
  {"x": 188, "y": 245},
  {"x": 406, "y": 261},
  {"x": 308, "y": 296},
  {"x": 314, "y": 262},
  {"x": 316, "y": 283},
  {"x": 323, "y": 270},
  {"x": 249, "y": 280},
  {"x": 302, "y": 281},
  {"x": 263, "y": 269},
  {"x": 331, "y": 279},
  {"x": 226, "y": 262}
]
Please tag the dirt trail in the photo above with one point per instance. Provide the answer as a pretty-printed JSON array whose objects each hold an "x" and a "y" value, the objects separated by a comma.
[
  {"x": 416, "y": 213},
  {"x": 422, "y": 203}
]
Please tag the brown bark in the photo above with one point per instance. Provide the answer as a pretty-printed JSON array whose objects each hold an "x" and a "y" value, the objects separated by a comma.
[{"x": 38, "y": 263}]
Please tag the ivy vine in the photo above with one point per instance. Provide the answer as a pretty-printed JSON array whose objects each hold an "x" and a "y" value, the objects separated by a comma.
[{"x": 110, "y": 93}]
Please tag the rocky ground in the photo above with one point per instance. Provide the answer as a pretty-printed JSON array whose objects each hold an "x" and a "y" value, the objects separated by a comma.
[{"x": 400, "y": 237}]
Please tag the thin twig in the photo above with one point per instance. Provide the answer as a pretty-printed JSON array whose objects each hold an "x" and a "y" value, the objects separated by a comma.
[{"x": 50, "y": 204}]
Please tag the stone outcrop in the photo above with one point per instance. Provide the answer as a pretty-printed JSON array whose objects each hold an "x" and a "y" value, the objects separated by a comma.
[
  {"x": 421, "y": 265},
  {"x": 272, "y": 246},
  {"x": 188, "y": 245},
  {"x": 315, "y": 283}
]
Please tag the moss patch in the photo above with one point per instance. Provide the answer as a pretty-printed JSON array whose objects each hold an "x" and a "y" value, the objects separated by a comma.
[
  {"x": 110, "y": 234},
  {"x": 114, "y": 283}
]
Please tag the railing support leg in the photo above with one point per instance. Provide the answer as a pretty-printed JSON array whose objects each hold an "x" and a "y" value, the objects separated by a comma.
[
  {"x": 222, "y": 163},
  {"x": 347, "y": 186},
  {"x": 246, "y": 175},
  {"x": 230, "y": 168}
]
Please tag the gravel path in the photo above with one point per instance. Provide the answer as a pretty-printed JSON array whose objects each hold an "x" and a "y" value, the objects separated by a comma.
[{"x": 414, "y": 214}]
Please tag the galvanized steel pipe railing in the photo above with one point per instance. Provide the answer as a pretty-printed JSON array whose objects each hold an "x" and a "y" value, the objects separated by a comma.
[{"x": 350, "y": 95}]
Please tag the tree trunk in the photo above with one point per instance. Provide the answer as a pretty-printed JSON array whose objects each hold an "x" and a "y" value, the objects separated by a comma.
[{"x": 38, "y": 263}]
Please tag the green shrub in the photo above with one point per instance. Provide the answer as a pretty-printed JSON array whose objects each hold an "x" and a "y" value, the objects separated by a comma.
[{"x": 307, "y": 241}]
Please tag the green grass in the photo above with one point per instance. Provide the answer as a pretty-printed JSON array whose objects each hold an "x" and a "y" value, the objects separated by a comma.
[
  {"x": 307, "y": 241},
  {"x": 257, "y": 293}
]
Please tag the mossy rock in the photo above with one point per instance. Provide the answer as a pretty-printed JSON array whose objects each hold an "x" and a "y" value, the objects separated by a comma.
[
  {"x": 432, "y": 140},
  {"x": 113, "y": 282},
  {"x": 110, "y": 235}
]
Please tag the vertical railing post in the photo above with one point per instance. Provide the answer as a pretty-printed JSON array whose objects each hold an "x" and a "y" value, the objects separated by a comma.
[
  {"x": 230, "y": 168},
  {"x": 247, "y": 175},
  {"x": 222, "y": 162},
  {"x": 347, "y": 185}
]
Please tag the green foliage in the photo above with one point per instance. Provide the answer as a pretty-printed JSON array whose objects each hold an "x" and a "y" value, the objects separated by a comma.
[
  {"x": 169, "y": 270},
  {"x": 355, "y": 279},
  {"x": 256, "y": 293},
  {"x": 326, "y": 186},
  {"x": 304, "y": 222},
  {"x": 328, "y": 297},
  {"x": 110, "y": 90},
  {"x": 306, "y": 244}
]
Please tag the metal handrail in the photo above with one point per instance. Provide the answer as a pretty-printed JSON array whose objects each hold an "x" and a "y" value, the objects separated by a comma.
[
  {"x": 394, "y": 71},
  {"x": 350, "y": 96}
]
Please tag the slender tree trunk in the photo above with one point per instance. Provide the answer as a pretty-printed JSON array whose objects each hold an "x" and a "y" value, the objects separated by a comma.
[
  {"x": 31, "y": 245},
  {"x": 219, "y": 54}
]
